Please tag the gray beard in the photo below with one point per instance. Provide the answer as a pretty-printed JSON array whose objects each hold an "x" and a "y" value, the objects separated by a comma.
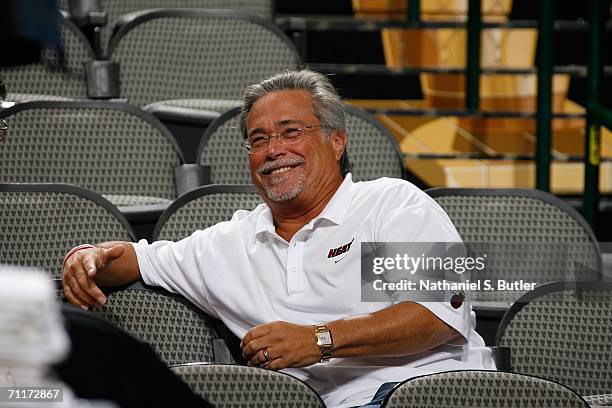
[{"x": 287, "y": 194}]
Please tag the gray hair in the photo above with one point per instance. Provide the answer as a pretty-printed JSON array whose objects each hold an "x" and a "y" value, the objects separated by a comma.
[{"x": 327, "y": 104}]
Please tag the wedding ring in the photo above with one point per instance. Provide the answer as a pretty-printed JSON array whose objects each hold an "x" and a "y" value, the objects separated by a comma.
[{"x": 266, "y": 355}]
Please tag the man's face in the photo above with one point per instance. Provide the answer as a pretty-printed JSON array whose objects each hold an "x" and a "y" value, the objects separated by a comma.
[{"x": 285, "y": 171}]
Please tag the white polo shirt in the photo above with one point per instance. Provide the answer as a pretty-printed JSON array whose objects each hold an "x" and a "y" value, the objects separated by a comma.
[{"x": 243, "y": 273}]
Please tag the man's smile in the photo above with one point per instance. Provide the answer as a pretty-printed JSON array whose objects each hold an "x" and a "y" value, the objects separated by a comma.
[
  {"x": 281, "y": 170},
  {"x": 272, "y": 168}
]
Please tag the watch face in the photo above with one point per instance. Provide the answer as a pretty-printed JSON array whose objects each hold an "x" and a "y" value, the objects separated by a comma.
[{"x": 325, "y": 338}]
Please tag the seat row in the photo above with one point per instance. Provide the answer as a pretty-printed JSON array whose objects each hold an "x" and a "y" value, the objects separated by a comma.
[
  {"x": 560, "y": 331},
  {"x": 105, "y": 14},
  {"x": 177, "y": 63},
  {"x": 527, "y": 235},
  {"x": 557, "y": 336},
  {"x": 127, "y": 155}
]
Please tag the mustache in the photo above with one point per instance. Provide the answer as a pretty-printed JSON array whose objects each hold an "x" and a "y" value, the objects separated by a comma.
[{"x": 277, "y": 164}]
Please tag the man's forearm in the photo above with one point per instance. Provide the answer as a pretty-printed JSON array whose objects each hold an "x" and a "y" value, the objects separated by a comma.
[
  {"x": 400, "y": 330},
  {"x": 120, "y": 271}
]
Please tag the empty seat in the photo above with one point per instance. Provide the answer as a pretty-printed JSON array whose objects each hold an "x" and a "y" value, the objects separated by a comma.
[
  {"x": 563, "y": 331},
  {"x": 234, "y": 386},
  {"x": 221, "y": 148},
  {"x": 42, "y": 222},
  {"x": 526, "y": 234},
  {"x": 116, "y": 8},
  {"x": 482, "y": 389},
  {"x": 56, "y": 77},
  {"x": 372, "y": 149},
  {"x": 112, "y": 148},
  {"x": 203, "y": 207},
  {"x": 195, "y": 63}
]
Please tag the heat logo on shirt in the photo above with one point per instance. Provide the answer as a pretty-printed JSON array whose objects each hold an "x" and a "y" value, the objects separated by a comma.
[{"x": 334, "y": 252}]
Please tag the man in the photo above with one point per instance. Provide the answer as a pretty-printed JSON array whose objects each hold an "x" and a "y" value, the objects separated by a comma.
[{"x": 272, "y": 275}]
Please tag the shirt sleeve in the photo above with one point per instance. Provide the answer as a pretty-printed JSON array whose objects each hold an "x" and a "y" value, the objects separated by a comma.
[
  {"x": 410, "y": 217},
  {"x": 176, "y": 267}
]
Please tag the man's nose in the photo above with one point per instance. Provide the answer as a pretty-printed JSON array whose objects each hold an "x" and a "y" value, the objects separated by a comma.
[{"x": 275, "y": 146}]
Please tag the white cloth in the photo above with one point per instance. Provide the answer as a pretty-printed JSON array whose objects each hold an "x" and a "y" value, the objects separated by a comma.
[{"x": 242, "y": 272}]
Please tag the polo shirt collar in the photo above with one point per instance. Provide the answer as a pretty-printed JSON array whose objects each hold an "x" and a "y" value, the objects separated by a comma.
[
  {"x": 334, "y": 211},
  {"x": 338, "y": 206}
]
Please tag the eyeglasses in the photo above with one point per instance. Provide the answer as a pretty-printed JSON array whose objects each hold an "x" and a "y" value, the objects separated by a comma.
[{"x": 258, "y": 142}]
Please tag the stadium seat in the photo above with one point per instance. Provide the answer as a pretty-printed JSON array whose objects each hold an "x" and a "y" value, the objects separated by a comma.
[
  {"x": 221, "y": 148},
  {"x": 481, "y": 389},
  {"x": 372, "y": 149},
  {"x": 563, "y": 331},
  {"x": 112, "y": 148},
  {"x": 527, "y": 234},
  {"x": 57, "y": 76},
  {"x": 107, "y": 364},
  {"x": 201, "y": 60},
  {"x": 603, "y": 400},
  {"x": 116, "y": 8},
  {"x": 178, "y": 331},
  {"x": 202, "y": 208},
  {"x": 42, "y": 222},
  {"x": 234, "y": 386}
]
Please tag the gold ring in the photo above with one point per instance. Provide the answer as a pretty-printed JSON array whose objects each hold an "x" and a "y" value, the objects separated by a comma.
[{"x": 266, "y": 355}]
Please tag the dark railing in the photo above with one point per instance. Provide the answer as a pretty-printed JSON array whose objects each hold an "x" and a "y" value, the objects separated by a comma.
[
  {"x": 596, "y": 114},
  {"x": 344, "y": 23},
  {"x": 544, "y": 110}
]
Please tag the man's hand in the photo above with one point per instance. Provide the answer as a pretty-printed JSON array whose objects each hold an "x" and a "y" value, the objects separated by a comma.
[
  {"x": 287, "y": 344},
  {"x": 79, "y": 272}
]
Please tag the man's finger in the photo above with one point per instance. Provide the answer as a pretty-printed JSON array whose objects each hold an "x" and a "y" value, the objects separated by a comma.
[
  {"x": 89, "y": 286},
  {"x": 109, "y": 254},
  {"x": 89, "y": 264},
  {"x": 72, "y": 298},
  {"x": 277, "y": 364},
  {"x": 78, "y": 292},
  {"x": 252, "y": 347},
  {"x": 85, "y": 280},
  {"x": 255, "y": 332},
  {"x": 259, "y": 359}
]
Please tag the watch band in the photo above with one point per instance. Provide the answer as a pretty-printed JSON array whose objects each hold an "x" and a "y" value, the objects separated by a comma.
[{"x": 325, "y": 342}]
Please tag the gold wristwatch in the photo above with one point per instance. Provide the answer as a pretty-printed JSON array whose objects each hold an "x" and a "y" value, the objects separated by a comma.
[{"x": 325, "y": 342}]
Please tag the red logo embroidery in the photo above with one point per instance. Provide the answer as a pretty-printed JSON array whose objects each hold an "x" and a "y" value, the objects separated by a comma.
[{"x": 340, "y": 250}]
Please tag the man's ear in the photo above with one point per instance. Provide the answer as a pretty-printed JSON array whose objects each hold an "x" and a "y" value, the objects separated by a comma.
[{"x": 338, "y": 140}]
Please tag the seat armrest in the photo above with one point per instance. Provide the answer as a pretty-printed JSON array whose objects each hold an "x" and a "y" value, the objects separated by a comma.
[
  {"x": 502, "y": 356},
  {"x": 87, "y": 13},
  {"x": 90, "y": 18},
  {"x": 102, "y": 79},
  {"x": 169, "y": 113},
  {"x": 190, "y": 176},
  {"x": 221, "y": 352}
]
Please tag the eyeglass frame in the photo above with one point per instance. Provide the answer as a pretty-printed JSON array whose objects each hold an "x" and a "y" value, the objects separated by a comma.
[{"x": 280, "y": 137}]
